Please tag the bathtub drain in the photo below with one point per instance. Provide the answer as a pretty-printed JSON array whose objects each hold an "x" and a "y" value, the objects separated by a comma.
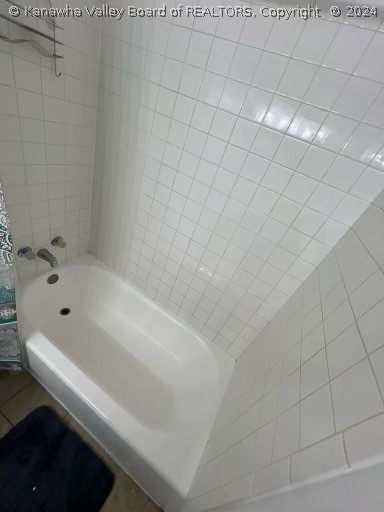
[
  {"x": 52, "y": 279},
  {"x": 65, "y": 311}
]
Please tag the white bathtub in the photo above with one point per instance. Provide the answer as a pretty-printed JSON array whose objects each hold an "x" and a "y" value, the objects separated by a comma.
[{"x": 137, "y": 379}]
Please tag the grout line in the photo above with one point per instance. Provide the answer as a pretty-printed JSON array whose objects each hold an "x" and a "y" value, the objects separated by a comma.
[
  {"x": 22, "y": 389},
  {"x": 327, "y": 363}
]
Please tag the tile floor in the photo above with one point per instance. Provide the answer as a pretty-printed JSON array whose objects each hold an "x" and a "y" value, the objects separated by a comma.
[{"x": 21, "y": 393}]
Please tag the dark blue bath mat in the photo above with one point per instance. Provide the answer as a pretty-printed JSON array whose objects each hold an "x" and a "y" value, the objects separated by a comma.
[{"x": 45, "y": 467}]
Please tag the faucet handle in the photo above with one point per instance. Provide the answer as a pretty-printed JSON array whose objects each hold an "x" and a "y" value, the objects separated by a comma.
[
  {"x": 58, "y": 242},
  {"x": 26, "y": 252}
]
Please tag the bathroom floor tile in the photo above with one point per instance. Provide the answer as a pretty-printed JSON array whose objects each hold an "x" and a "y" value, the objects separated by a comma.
[
  {"x": 126, "y": 495},
  {"x": 24, "y": 402},
  {"x": 12, "y": 383},
  {"x": 5, "y": 426}
]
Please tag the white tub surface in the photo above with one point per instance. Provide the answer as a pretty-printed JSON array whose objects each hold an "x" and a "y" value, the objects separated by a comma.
[{"x": 139, "y": 380}]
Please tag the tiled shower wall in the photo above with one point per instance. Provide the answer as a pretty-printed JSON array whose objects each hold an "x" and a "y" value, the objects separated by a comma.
[
  {"x": 232, "y": 155},
  {"x": 47, "y": 136},
  {"x": 306, "y": 398}
]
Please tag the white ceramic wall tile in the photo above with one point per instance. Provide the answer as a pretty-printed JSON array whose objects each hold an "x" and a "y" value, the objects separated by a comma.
[
  {"x": 326, "y": 87},
  {"x": 55, "y": 118},
  {"x": 350, "y": 37},
  {"x": 365, "y": 442},
  {"x": 316, "y": 417},
  {"x": 369, "y": 325},
  {"x": 314, "y": 41},
  {"x": 286, "y": 434},
  {"x": 344, "y": 351},
  {"x": 306, "y": 382},
  {"x": 323, "y": 460},
  {"x": 273, "y": 477},
  {"x": 355, "y": 396}
]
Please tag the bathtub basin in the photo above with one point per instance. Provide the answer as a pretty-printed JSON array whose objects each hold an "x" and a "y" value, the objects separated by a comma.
[{"x": 140, "y": 381}]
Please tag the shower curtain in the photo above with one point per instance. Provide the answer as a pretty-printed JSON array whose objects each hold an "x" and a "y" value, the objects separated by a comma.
[{"x": 10, "y": 354}]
